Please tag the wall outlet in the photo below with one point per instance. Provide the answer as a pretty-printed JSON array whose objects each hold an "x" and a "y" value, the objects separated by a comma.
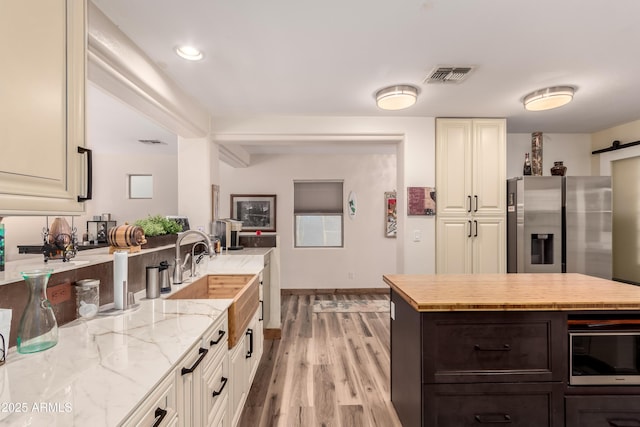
[
  {"x": 59, "y": 293},
  {"x": 351, "y": 275},
  {"x": 417, "y": 235},
  {"x": 392, "y": 310}
]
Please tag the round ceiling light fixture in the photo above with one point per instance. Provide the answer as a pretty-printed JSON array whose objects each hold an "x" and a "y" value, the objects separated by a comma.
[
  {"x": 396, "y": 97},
  {"x": 189, "y": 53},
  {"x": 548, "y": 98}
]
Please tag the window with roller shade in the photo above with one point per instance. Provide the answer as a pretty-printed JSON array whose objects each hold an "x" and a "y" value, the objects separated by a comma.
[{"x": 317, "y": 208}]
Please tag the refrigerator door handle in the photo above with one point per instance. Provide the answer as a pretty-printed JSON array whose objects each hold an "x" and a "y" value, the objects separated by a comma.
[
  {"x": 469, "y": 200},
  {"x": 475, "y": 222}
]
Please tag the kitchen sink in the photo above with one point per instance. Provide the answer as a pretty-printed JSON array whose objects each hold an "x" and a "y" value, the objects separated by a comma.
[{"x": 243, "y": 289}]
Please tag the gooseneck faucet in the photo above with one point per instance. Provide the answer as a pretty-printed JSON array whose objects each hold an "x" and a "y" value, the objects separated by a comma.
[{"x": 179, "y": 268}]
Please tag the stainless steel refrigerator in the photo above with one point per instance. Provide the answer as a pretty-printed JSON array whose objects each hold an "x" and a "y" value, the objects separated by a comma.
[{"x": 559, "y": 225}]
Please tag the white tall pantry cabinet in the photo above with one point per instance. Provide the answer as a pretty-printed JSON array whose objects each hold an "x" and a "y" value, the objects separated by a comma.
[{"x": 471, "y": 188}]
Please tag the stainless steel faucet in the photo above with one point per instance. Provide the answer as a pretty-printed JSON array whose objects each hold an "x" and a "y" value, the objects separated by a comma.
[{"x": 179, "y": 268}]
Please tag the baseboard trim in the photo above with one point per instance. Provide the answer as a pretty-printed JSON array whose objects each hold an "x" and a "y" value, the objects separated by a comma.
[
  {"x": 272, "y": 334},
  {"x": 340, "y": 291}
]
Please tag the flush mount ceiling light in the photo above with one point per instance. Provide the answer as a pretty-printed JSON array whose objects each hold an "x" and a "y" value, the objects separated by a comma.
[
  {"x": 549, "y": 98},
  {"x": 189, "y": 52},
  {"x": 396, "y": 97}
]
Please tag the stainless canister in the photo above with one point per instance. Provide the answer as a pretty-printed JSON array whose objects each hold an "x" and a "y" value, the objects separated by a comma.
[{"x": 153, "y": 281}]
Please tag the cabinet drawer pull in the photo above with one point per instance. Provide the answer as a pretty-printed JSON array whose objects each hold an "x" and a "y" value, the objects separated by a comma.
[
  {"x": 493, "y": 418},
  {"x": 476, "y": 199},
  {"x": 505, "y": 347},
  {"x": 250, "y": 352},
  {"x": 224, "y": 383},
  {"x": 469, "y": 200},
  {"x": 88, "y": 152},
  {"x": 203, "y": 352},
  {"x": 475, "y": 222},
  {"x": 261, "y": 318},
  {"x": 159, "y": 416},
  {"x": 221, "y": 334},
  {"x": 470, "y": 227},
  {"x": 624, "y": 422}
]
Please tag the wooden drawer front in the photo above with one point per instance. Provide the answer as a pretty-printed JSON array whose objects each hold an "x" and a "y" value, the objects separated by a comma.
[
  {"x": 516, "y": 405},
  {"x": 502, "y": 347},
  {"x": 603, "y": 411}
]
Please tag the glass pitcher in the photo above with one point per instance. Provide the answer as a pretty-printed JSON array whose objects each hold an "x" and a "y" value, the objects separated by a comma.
[{"x": 38, "y": 329}]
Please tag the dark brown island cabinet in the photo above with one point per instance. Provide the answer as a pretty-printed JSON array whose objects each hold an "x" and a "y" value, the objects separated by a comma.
[{"x": 493, "y": 350}]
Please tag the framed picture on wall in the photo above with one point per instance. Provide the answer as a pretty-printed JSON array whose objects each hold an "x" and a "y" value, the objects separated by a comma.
[
  {"x": 256, "y": 211},
  {"x": 421, "y": 201}
]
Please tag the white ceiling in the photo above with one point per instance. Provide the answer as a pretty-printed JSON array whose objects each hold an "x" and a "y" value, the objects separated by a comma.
[{"x": 328, "y": 58}]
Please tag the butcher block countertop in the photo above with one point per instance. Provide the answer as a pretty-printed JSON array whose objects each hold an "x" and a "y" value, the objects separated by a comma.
[{"x": 496, "y": 292}]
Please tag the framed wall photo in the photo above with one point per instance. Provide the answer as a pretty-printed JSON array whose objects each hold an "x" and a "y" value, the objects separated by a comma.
[
  {"x": 256, "y": 211},
  {"x": 391, "y": 218}
]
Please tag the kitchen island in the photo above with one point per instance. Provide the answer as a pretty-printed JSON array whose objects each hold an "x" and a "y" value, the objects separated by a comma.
[{"x": 493, "y": 349}]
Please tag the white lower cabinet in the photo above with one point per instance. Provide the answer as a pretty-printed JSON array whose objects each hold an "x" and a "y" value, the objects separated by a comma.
[
  {"x": 189, "y": 386},
  {"x": 470, "y": 245},
  {"x": 160, "y": 409},
  {"x": 244, "y": 359}
]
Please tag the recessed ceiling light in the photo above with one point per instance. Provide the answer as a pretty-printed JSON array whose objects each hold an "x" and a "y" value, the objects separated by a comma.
[
  {"x": 548, "y": 98},
  {"x": 396, "y": 97},
  {"x": 190, "y": 53}
]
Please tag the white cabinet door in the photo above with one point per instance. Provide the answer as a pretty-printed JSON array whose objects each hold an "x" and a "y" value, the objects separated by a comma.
[
  {"x": 488, "y": 242},
  {"x": 453, "y": 242},
  {"x": 189, "y": 386},
  {"x": 489, "y": 185},
  {"x": 453, "y": 166},
  {"x": 238, "y": 377},
  {"x": 42, "y": 106}
]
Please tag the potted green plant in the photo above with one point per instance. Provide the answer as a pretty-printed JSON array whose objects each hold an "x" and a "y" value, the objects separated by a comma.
[{"x": 158, "y": 230}]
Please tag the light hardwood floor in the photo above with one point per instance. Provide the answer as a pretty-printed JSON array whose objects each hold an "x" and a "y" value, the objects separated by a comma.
[{"x": 329, "y": 369}]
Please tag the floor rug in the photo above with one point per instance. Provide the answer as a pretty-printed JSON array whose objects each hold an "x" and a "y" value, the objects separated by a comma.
[{"x": 351, "y": 306}]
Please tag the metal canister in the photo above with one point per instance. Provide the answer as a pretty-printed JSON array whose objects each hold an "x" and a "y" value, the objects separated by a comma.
[{"x": 153, "y": 281}]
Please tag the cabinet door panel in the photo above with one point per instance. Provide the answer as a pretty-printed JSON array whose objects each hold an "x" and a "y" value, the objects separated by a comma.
[
  {"x": 489, "y": 167},
  {"x": 453, "y": 166},
  {"x": 522, "y": 405},
  {"x": 603, "y": 411},
  {"x": 454, "y": 245},
  {"x": 493, "y": 347},
  {"x": 42, "y": 106},
  {"x": 489, "y": 254}
]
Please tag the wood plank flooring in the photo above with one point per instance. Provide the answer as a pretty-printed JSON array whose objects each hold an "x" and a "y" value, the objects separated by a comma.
[{"x": 329, "y": 369}]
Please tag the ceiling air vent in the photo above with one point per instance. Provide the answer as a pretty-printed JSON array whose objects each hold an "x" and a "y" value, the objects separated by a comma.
[
  {"x": 448, "y": 74},
  {"x": 152, "y": 141}
]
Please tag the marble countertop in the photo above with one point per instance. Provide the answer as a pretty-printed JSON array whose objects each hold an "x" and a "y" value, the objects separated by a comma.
[
  {"x": 486, "y": 292},
  {"x": 102, "y": 368}
]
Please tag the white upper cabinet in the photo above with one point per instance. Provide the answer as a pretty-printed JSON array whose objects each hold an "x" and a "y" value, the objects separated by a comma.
[
  {"x": 471, "y": 166},
  {"x": 42, "y": 107}
]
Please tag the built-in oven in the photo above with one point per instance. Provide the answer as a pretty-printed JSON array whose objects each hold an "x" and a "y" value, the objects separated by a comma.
[{"x": 604, "y": 357}]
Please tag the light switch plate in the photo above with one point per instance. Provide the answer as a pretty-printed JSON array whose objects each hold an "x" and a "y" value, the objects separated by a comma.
[{"x": 417, "y": 235}]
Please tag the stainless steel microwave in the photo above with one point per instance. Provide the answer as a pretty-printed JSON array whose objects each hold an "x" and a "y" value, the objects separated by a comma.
[{"x": 604, "y": 357}]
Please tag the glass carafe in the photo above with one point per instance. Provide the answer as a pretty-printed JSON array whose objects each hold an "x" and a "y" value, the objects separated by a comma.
[{"x": 38, "y": 327}]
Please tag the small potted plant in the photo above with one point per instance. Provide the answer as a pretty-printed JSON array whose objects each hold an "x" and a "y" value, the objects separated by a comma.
[{"x": 159, "y": 230}]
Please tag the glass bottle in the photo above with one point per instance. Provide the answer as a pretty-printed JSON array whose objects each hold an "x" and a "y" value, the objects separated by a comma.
[
  {"x": 38, "y": 329},
  {"x": 526, "y": 170}
]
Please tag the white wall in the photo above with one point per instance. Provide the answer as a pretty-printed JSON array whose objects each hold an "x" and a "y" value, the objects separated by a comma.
[
  {"x": 415, "y": 163},
  {"x": 366, "y": 252},
  {"x": 574, "y": 149},
  {"x": 110, "y": 194}
]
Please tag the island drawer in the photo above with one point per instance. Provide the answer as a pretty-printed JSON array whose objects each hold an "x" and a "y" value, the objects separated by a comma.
[
  {"x": 606, "y": 411},
  {"x": 493, "y": 347},
  {"x": 522, "y": 405}
]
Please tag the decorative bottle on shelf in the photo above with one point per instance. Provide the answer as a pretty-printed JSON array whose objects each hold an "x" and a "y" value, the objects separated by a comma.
[
  {"x": 526, "y": 170},
  {"x": 38, "y": 329},
  {"x": 558, "y": 169}
]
